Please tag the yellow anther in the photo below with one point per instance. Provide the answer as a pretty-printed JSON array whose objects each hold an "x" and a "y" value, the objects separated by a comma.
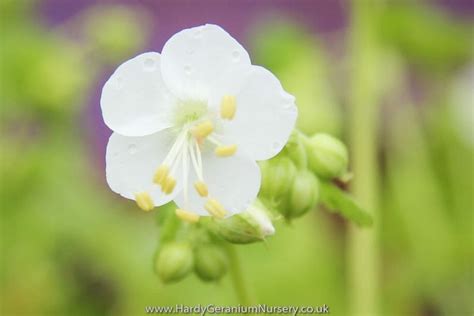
[
  {"x": 187, "y": 216},
  {"x": 215, "y": 208},
  {"x": 228, "y": 107},
  {"x": 203, "y": 129},
  {"x": 168, "y": 185},
  {"x": 161, "y": 174},
  {"x": 225, "y": 151},
  {"x": 201, "y": 188},
  {"x": 144, "y": 201}
]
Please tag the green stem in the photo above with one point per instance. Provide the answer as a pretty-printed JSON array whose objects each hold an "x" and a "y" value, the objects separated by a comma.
[
  {"x": 238, "y": 279},
  {"x": 362, "y": 243}
]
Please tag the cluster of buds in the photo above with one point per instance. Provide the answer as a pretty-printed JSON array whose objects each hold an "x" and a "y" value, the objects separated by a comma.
[
  {"x": 203, "y": 249},
  {"x": 290, "y": 183},
  {"x": 290, "y": 188},
  {"x": 177, "y": 259}
]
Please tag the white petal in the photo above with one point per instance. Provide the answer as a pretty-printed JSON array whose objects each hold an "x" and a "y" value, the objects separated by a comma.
[
  {"x": 264, "y": 118},
  {"x": 135, "y": 101},
  {"x": 203, "y": 60},
  {"x": 132, "y": 161},
  {"x": 233, "y": 181}
]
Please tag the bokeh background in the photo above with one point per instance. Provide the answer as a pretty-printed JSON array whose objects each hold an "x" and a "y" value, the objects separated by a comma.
[{"x": 393, "y": 79}]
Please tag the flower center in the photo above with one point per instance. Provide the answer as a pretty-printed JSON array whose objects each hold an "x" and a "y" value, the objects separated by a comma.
[
  {"x": 189, "y": 111},
  {"x": 195, "y": 130}
]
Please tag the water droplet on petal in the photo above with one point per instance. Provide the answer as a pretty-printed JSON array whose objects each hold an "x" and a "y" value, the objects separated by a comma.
[
  {"x": 187, "y": 69},
  {"x": 235, "y": 56},
  {"x": 132, "y": 149},
  {"x": 288, "y": 102},
  {"x": 149, "y": 64},
  {"x": 276, "y": 145},
  {"x": 292, "y": 108}
]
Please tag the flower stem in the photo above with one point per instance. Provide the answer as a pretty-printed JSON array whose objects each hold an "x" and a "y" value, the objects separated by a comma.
[
  {"x": 362, "y": 249},
  {"x": 238, "y": 279}
]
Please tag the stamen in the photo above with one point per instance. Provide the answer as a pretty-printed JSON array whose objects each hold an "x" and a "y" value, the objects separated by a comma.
[
  {"x": 195, "y": 162},
  {"x": 215, "y": 208},
  {"x": 201, "y": 188},
  {"x": 187, "y": 216},
  {"x": 144, "y": 201},
  {"x": 168, "y": 185},
  {"x": 175, "y": 149},
  {"x": 225, "y": 151},
  {"x": 185, "y": 175},
  {"x": 202, "y": 130},
  {"x": 161, "y": 174},
  {"x": 199, "y": 158},
  {"x": 200, "y": 185},
  {"x": 228, "y": 107}
]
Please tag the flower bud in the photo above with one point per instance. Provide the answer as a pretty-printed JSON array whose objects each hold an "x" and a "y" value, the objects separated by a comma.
[
  {"x": 210, "y": 262},
  {"x": 296, "y": 150},
  {"x": 327, "y": 156},
  {"x": 303, "y": 195},
  {"x": 174, "y": 261},
  {"x": 277, "y": 176},
  {"x": 250, "y": 226}
]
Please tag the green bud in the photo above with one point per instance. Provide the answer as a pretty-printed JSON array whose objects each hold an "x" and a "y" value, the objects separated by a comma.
[
  {"x": 250, "y": 226},
  {"x": 327, "y": 156},
  {"x": 210, "y": 262},
  {"x": 277, "y": 176},
  {"x": 303, "y": 195},
  {"x": 174, "y": 261},
  {"x": 296, "y": 150}
]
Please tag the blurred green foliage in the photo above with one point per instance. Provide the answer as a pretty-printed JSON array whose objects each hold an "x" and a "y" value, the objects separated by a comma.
[
  {"x": 427, "y": 38},
  {"x": 69, "y": 246}
]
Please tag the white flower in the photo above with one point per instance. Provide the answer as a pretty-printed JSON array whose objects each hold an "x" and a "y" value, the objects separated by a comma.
[{"x": 190, "y": 124}]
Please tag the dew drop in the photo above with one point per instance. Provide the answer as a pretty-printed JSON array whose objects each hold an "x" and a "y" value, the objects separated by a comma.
[
  {"x": 276, "y": 145},
  {"x": 132, "y": 149},
  {"x": 288, "y": 102},
  {"x": 235, "y": 56},
  {"x": 149, "y": 64},
  {"x": 290, "y": 107},
  {"x": 187, "y": 69}
]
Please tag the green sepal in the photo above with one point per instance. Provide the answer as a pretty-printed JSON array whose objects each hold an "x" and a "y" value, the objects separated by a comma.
[{"x": 338, "y": 201}]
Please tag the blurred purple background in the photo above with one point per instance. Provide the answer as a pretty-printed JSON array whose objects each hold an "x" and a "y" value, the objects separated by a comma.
[{"x": 321, "y": 17}]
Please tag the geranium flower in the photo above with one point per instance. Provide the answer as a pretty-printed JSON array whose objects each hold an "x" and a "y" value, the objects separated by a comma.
[{"x": 190, "y": 124}]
